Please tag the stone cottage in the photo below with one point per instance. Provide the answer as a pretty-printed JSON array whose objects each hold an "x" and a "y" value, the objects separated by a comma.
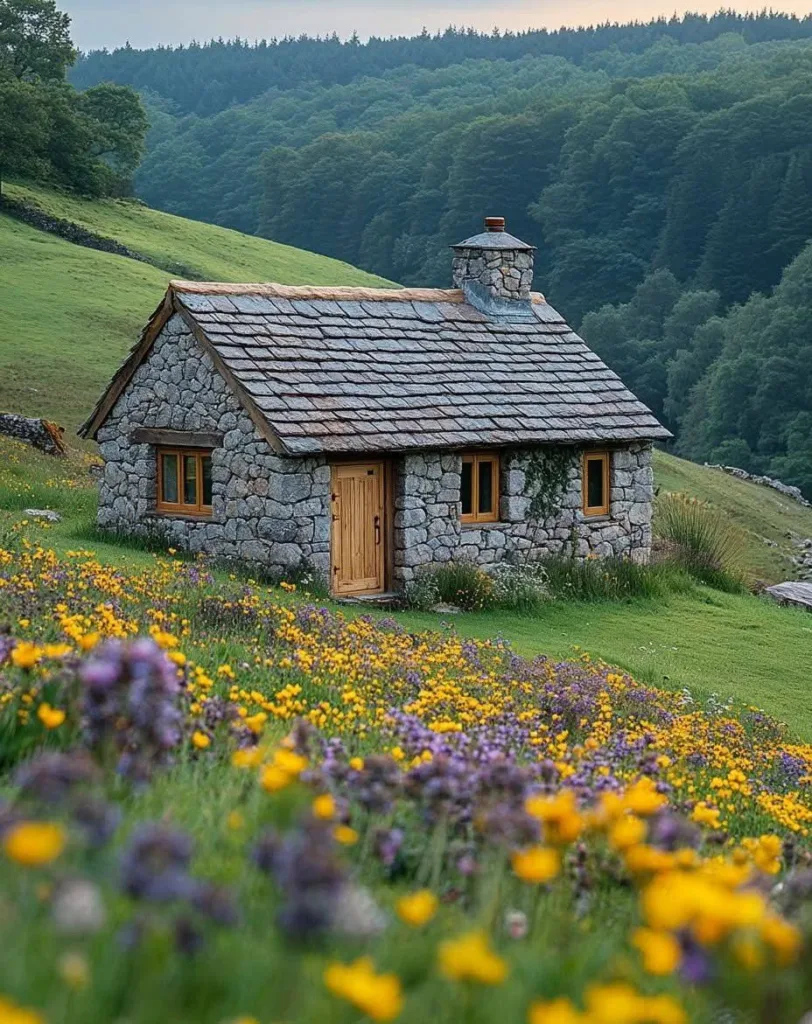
[{"x": 368, "y": 433}]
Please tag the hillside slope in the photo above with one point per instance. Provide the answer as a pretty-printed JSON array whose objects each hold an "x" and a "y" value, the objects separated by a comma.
[{"x": 69, "y": 314}]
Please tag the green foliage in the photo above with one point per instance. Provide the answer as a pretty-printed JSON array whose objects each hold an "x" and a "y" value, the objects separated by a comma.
[
  {"x": 465, "y": 585},
  {"x": 701, "y": 540},
  {"x": 611, "y": 579},
  {"x": 520, "y": 587},
  {"x": 546, "y": 478},
  {"x": 91, "y": 142}
]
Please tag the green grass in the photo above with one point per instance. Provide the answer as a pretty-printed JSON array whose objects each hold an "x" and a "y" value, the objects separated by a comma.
[
  {"x": 764, "y": 514},
  {"x": 710, "y": 642},
  {"x": 68, "y": 314}
]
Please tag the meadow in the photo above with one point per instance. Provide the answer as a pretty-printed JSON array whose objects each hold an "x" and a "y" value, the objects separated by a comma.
[{"x": 227, "y": 802}]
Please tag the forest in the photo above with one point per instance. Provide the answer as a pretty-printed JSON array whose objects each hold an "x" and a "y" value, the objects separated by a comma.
[
  {"x": 664, "y": 171},
  {"x": 90, "y": 140}
]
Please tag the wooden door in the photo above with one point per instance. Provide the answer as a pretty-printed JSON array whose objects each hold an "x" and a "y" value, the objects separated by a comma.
[{"x": 358, "y": 535}]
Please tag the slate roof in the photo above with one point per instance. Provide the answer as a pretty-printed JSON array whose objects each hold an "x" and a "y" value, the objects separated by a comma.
[{"x": 358, "y": 370}]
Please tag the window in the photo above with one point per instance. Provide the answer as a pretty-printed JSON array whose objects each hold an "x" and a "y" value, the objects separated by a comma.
[
  {"x": 184, "y": 481},
  {"x": 479, "y": 491},
  {"x": 596, "y": 485}
]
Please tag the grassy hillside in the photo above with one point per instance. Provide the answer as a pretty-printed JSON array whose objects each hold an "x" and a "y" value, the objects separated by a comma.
[
  {"x": 764, "y": 514},
  {"x": 68, "y": 314}
]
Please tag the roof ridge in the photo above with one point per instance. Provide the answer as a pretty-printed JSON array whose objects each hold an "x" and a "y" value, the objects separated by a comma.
[{"x": 329, "y": 292}]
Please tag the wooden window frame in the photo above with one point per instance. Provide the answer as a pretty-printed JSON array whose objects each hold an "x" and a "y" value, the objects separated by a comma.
[
  {"x": 605, "y": 458},
  {"x": 475, "y": 516},
  {"x": 182, "y": 508}
]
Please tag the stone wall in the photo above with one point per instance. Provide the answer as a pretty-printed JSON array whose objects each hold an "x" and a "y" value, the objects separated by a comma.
[
  {"x": 41, "y": 434},
  {"x": 503, "y": 273},
  {"x": 427, "y": 526},
  {"x": 266, "y": 509}
]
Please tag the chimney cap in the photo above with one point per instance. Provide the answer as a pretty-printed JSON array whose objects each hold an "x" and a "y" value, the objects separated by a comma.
[{"x": 494, "y": 237}]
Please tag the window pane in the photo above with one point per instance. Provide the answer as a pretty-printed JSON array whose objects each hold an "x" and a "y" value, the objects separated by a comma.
[
  {"x": 206, "y": 460},
  {"x": 467, "y": 488},
  {"x": 189, "y": 479},
  {"x": 486, "y": 487},
  {"x": 594, "y": 484},
  {"x": 169, "y": 479}
]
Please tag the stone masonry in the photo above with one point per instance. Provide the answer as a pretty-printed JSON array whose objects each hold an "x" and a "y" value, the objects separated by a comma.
[
  {"x": 427, "y": 514},
  {"x": 274, "y": 511},
  {"x": 503, "y": 273},
  {"x": 266, "y": 509}
]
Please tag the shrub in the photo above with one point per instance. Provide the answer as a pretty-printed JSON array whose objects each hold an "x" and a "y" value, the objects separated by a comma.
[
  {"x": 422, "y": 593},
  {"x": 465, "y": 585},
  {"x": 520, "y": 587},
  {"x": 701, "y": 540},
  {"x": 611, "y": 579}
]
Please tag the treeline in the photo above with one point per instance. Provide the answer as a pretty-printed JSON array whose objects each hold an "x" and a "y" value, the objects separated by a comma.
[
  {"x": 206, "y": 78},
  {"x": 90, "y": 141}
]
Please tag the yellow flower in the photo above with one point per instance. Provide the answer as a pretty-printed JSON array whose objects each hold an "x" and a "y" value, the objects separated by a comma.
[
  {"x": 626, "y": 832},
  {"x": 470, "y": 958},
  {"x": 201, "y": 740},
  {"x": 783, "y": 937},
  {"x": 288, "y": 761},
  {"x": 10, "y": 1013},
  {"x": 558, "y": 1011},
  {"x": 536, "y": 865},
  {"x": 379, "y": 996},
  {"x": 766, "y": 852},
  {"x": 704, "y": 814},
  {"x": 88, "y": 641},
  {"x": 250, "y": 758},
  {"x": 34, "y": 843},
  {"x": 324, "y": 807},
  {"x": 642, "y": 798},
  {"x": 235, "y": 821},
  {"x": 26, "y": 655},
  {"x": 559, "y": 814},
  {"x": 345, "y": 835},
  {"x": 619, "y": 1003},
  {"x": 661, "y": 951},
  {"x": 50, "y": 717},
  {"x": 357, "y": 763},
  {"x": 418, "y": 908},
  {"x": 274, "y": 779}
]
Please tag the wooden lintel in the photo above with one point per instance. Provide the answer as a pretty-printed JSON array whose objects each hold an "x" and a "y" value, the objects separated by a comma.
[{"x": 176, "y": 438}]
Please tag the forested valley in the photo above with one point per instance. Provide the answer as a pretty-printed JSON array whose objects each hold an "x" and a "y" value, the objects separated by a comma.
[{"x": 663, "y": 170}]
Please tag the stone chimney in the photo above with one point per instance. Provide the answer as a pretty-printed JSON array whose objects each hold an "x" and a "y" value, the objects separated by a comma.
[{"x": 494, "y": 268}]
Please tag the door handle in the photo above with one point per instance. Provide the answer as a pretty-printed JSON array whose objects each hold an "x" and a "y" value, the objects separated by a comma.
[{"x": 377, "y": 529}]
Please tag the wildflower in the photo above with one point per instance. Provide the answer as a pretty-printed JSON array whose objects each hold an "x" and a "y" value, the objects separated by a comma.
[
  {"x": 704, "y": 814},
  {"x": 274, "y": 779},
  {"x": 379, "y": 996},
  {"x": 25, "y": 655},
  {"x": 626, "y": 832},
  {"x": 618, "y": 1003},
  {"x": 50, "y": 717},
  {"x": 74, "y": 970},
  {"x": 643, "y": 799},
  {"x": 357, "y": 763},
  {"x": 235, "y": 821},
  {"x": 557, "y": 1011},
  {"x": 155, "y": 864},
  {"x": 324, "y": 807},
  {"x": 200, "y": 740},
  {"x": 516, "y": 924},
  {"x": 559, "y": 815},
  {"x": 10, "y": 1013},
  {"x": 783, "y": 937},
  {"x": 766, "y": 853},
  {"x": 537, "y": 865},
  {"x": 247, "y": 758},
  {"x": 33, "y": 843},
  {"x": 345, "y": 835},
  {"x": 470, "y": 958},
  {"x": 418, "y": 908},
  {"x": 661, "y": 951},
  {"x": 77, "y": 908}
]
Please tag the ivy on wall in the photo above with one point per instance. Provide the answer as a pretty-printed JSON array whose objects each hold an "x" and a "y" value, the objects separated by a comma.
[{"x": 547, "y": 473}]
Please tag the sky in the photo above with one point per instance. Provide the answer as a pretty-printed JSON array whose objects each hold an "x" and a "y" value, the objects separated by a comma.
[{"x": 110, "y": 23}]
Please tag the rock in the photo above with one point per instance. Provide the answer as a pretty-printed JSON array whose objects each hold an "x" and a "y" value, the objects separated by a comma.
[
  {"x": 446, "y": 609},
  {"x": 795, "y": 593},
  {"x": 44, "y": 513}
]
